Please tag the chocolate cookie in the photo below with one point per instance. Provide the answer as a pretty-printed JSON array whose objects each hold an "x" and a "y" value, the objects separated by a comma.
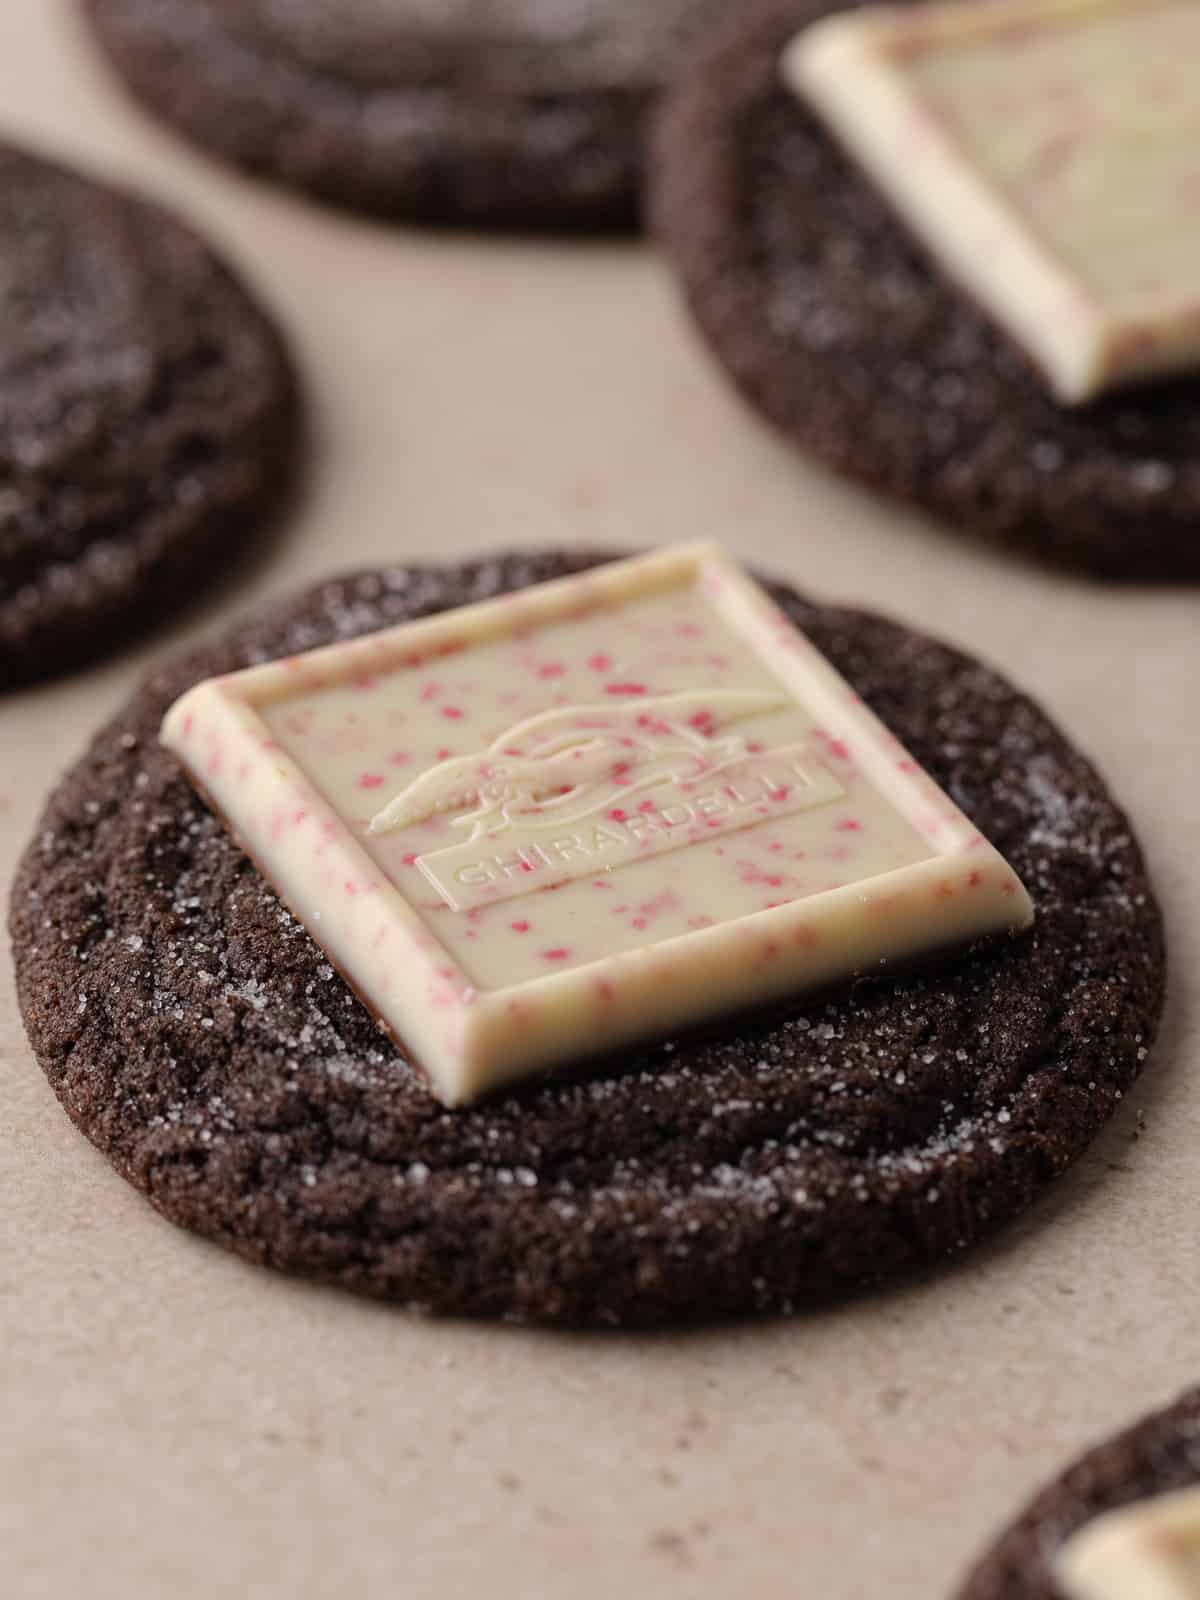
[
  {"x": 1157, "y": 1455},
  {"x": 842, "y": 330},
  {"x": 508, "y": 113},
  {"x": 196, "y": 1034},
  {"x": 147, "y": 415}
]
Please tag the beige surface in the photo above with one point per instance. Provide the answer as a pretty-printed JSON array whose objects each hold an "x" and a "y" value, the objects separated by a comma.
[{"x": 173, "y": 1423}]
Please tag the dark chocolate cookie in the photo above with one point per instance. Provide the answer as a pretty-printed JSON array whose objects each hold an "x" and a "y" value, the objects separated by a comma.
[
  {"x": 147, "y": 415},
  {"x": 838, "y": 326},
  {"x": 1159, "y": 1454},
  {"x": 509, "y": 113},
  {"x": 196, "y": 1034}
]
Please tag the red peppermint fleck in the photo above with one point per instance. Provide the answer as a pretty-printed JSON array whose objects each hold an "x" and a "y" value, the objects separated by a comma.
[
  {"x": 410, "y": 860},
  {"x": 443, "y": 754},
  {"x": 975, "y": 879},
  {"x": 452, "y": 713},
  {"x": 189, "y": 722},
  {"x": 520, "y": 927},
  {"x": 551, "y": 669},
  {"x": 702, "y": 720},
  {"x": 560, "y": 953},
  {"x": 600, "y": 662},
  {"x": 399, "y": 758},
  {"x": 624, "y": 689},
  {"x": 370, "y": 780},
  {"x": 616, "y": 814},
  {"x": 430, "y": 691},
  {"x": 848, "y": 825}
]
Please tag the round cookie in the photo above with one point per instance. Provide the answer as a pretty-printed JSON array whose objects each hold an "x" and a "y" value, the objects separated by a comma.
[
  {"x": 147, "y": 415},
  {"x": 195, "y": 1033},
  {"x": 833, "y": 322},
  {"x": 506, "y": 113},
  {"x": 1157, "y": 1455}
]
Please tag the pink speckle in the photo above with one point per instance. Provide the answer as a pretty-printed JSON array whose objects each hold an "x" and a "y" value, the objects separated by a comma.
[
  {"x": 840, "y": 749},
  {"x": 551, "y": 669},
  {"x": 370, "y": 780},
  {"x": 606, "y": 991},
  {"x": 617, "y": 815},
  {"x": 521, "y": 926},
  {"x": 399, "y": 758},
  {"x": 624, "y": 689},
  {"x": 701, "y": 720},
  {"x": 640, "y": 923},
  {"x": 243, "y": 770},
  {"x": 974, "y": 879},
  {"x": 351, "y": 886},
  {"x": 430, "y": 691},
  {"x": 189, "y": 722},
  {"x": 559, "y": 953},
  {"x": 908, "y": 766},
  {"x": 409, "y": 860},
  {"x": 443, "y": 754},
  {"x": 600, "y": 662},
  {"x": 848, "y": 825},
  {"x": 452, "y": 713},
  {"x": 299, "y": 816}
]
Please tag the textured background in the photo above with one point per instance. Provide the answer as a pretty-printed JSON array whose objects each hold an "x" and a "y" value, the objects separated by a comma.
[{"x": 175, "y": 1423}]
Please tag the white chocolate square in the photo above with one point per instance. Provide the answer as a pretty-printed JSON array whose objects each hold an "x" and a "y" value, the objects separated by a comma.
[
  {"x": 1149, "y": 1550},
  {"x": 585, "y": 813},
  {"x": 1047, "y": 152}
]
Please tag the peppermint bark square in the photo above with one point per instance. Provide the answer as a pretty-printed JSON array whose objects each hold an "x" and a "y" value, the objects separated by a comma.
[
  {"x": 535, "y": 828},
  {"x": 1047, "y": 152}
]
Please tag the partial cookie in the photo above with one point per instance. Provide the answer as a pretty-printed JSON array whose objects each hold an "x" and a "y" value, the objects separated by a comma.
[
  {"x": 841, "y": 329},
  {"x": 147, "y": 415},
  {"x": 198, "y": 1037},
  {"x": 505, "y": 113},
  {"x": 1160, "y": 1455}
]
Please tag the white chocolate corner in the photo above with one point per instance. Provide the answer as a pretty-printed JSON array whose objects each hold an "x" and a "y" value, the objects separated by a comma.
[{"x": 1149, "y": 1550}]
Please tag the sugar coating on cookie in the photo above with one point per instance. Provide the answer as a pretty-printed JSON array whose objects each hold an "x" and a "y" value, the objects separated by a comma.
[
  {"x": 1048, "y": 153},
  {"x": 556, "y": 822}
]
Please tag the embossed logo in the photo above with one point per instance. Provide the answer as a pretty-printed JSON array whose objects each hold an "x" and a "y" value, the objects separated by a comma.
[{"x": 579, "y": 789}]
